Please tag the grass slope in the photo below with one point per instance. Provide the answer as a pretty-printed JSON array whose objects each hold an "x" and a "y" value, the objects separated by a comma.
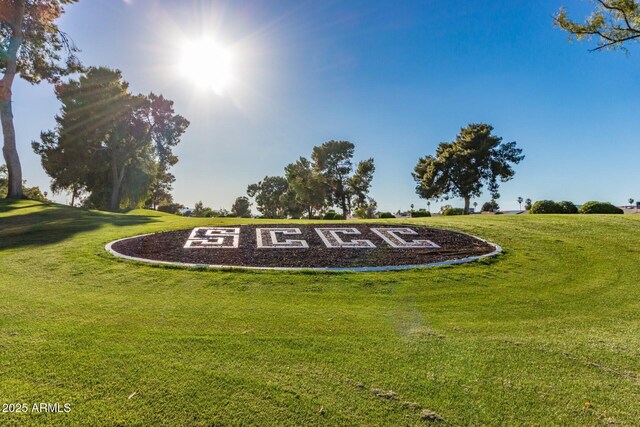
[{"x": 524, "y": 339}]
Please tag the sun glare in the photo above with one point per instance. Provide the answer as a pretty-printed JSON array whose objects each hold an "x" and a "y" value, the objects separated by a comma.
[{"x": 207, "y": 64}]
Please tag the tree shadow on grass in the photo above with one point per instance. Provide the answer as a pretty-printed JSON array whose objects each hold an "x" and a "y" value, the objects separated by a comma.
[{"x": 49, "y": 223}]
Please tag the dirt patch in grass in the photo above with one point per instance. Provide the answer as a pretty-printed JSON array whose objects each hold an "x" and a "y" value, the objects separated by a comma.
[{"x": 169, "y": 247}]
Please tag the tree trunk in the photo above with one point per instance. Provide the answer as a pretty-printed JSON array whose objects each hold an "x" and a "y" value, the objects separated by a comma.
[
  {"x": 345, "y": 209},
  {"x": 116, "y": 182},
  {"x": 467, "y": 201},
  {"x": 310, "y": 211},
  {"x": 9, "y": 149}
]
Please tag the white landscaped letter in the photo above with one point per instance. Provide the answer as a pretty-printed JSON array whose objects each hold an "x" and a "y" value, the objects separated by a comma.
[
  {"x": 268, "y": 238},
  {"x": 331, "y": 239},
  {"x": 214, "y": 237},
  {"x": 391, "y": 236}
]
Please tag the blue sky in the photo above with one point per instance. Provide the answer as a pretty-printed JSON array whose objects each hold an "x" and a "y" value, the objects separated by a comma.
[{"x": 394, "y": 78}]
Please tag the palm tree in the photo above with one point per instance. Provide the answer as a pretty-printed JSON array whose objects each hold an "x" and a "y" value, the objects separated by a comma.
[
  {"x": 475, "y": 205},
  {"x": 520, "y": 200},
  {"x": 428, "y": 206}
]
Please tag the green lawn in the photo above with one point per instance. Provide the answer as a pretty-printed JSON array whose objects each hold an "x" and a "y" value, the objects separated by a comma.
[{"x": 526, "y": 338}]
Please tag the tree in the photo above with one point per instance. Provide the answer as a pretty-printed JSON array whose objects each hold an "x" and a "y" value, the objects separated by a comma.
[
  {"x": 67, "y": 168},
  {"x": 160, "y": 191},
  {"x": 172, "y": 208},
  {"x": 307, "y": 184},
  {"x": 200, "y": 210},
  {"x": 268, "y": 195},
  {"x": 360, "y": 184},
  {"x": 520, "y": 200},
  {"x": 613, "y": 23},
  {"x": 115, "y": 145},
  {"x": 241, "y": 207},
  {"x": 631, "y": 201},
  {"x": 333, "y": 160},
  {"x": 527, "y": 204},
  {"x": 461, "y": 168},
  {"x": 31, "y": 46},
  {"x": 33, "y": 193},
  {"x": 491, "y": 206},
  {"x": 166, "y": 129},
  {"x": 369, "y": 209}
]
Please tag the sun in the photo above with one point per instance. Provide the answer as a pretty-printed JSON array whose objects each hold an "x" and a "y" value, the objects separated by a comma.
[{"x": 207, "y": 64}]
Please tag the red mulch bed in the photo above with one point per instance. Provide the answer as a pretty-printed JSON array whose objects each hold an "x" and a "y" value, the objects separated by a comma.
[{"x": 169, "y": 246}]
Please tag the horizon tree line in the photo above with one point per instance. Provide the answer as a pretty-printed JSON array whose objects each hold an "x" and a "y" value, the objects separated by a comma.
[
  {"x": 308, "y": 187},
  {"x": 33, "y": 48}
]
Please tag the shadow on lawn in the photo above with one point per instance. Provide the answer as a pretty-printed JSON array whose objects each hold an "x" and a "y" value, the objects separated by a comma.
[{"x": 52, "y": 223}]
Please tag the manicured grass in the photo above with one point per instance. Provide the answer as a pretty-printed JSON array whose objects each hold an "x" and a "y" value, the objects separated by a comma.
[{"x": 524, "y": 339}]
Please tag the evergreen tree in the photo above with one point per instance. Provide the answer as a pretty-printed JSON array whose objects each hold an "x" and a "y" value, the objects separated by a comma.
[
  {"x": 333, "y": 160},
  {"x": 614, "y": 23},
  {"x": 110, "y": 143},
  {"x": 30, "y": 47},
  {"x": 461, "y": 168}
]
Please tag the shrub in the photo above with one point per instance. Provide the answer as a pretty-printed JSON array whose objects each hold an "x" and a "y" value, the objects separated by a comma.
[
  {"x": 330, "y": 215},
  {"x": 599, "y": 208},
  {"x": 545, "y": 207},
  {"x": 420, "y": 213},
  {"x": 567, "y": 207},
  {"x": 172, "y": 208},
  {"x": 386, "y": 215},
  {"x": 551, "y": 207},
  {"x": 453, "y": 211},
  {"x": 491, "y": 206},
  {"x": 444, "y": 208}
]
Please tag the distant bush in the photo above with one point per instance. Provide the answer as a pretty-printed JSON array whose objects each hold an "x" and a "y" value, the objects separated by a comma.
[
  {"x": 491, "y": 206},
  {"x": 567, "y": 207},
  {"x": 546, "y": 207},
  {"x": 332, "y": 215},
  {"x": 453, "y": 211},
  {"x": 172, "y": 208},
  {"x": 421, "y": 213},
  {"x": 599, "y": 208},
  {"x": 551, "y": 207},
  {"x": 329, "y": 215},
  {"x": 386, "y": 215}
]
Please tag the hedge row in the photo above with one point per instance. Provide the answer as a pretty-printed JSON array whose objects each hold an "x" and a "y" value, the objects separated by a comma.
[
  {"x": 420, "y": 213},
  {"x": 564, "y": 207}
]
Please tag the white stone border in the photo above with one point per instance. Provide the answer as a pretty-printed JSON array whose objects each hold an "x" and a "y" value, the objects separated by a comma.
[{"x": 497, "y": 250}]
